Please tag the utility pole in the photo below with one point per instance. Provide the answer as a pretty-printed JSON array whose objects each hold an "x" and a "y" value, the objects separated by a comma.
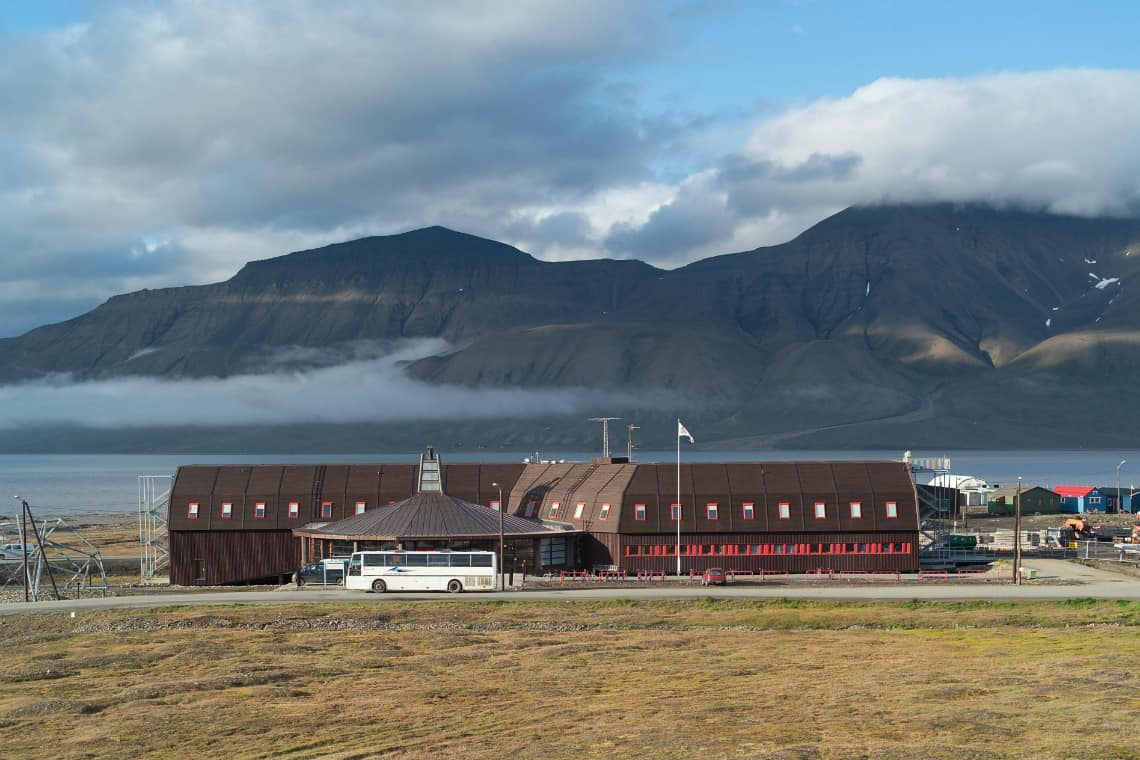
[
  {"x": 502, "y": 577},
  {"x": 629, "y": 447},
  {"x": 1017, "y": 534}
]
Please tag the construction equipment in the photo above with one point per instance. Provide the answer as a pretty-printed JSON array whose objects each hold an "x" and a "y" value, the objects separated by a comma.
[{"x": 1081, "y": 528}]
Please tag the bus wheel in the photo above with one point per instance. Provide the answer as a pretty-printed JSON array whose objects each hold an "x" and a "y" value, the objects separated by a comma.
[
  {"x": 379, "y": 586},
  {"x": 454, "y": 586}
]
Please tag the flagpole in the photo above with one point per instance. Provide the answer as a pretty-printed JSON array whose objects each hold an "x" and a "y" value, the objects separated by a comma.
[{"x": 680, "y": 509}]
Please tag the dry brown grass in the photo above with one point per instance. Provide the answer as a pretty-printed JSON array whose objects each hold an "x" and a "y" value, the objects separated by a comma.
[{"x": 708, "y": 678}]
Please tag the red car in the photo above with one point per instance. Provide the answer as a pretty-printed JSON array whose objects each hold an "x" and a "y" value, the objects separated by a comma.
[{"x": 714, "y": 576}]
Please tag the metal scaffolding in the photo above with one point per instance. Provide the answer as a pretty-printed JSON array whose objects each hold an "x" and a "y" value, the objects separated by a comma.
[
  {"x": 78, "y": 564},
  {"x": 154, "y": 537}
]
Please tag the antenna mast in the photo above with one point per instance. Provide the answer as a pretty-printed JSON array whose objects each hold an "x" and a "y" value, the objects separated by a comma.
[
  {"x": 605, "y": 432},
  {"x": 629, "y": 447}
]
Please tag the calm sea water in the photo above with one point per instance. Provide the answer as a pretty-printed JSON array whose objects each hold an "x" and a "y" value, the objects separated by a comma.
[{"x": 101, "y": 483}]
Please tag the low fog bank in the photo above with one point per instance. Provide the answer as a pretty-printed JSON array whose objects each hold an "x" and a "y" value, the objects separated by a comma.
[{"x": 366, "y": 388}]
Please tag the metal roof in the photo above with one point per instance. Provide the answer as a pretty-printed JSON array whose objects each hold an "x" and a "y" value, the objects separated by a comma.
[
  {"x": 1072, "y": 492},
  {"x": 428, "y": 515}
]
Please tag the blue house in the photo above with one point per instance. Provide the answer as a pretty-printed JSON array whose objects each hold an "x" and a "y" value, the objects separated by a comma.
[
  {"x": 1078, "y": 499},
  {"x": 1124, "y": 498}
]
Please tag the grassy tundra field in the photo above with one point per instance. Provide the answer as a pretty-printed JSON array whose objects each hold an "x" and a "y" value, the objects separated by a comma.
[{"x": 707, "y": 678}]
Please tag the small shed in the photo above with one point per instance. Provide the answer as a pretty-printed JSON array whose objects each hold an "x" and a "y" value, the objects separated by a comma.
[{"x": 1034, "y": 500}]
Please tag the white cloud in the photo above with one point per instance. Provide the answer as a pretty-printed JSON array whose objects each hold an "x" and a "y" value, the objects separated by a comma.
[{"x": 362, "y": 390}]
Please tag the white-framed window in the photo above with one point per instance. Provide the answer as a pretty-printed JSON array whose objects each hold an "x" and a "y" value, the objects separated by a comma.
[
  {"x": 326, "y": 510},
  {"x": 554, "y": 509},
  {"x": 820, "y": 510},
  {"x": 495, "y": 504},
  {"x": 856, "y": 510},
  {"x": 605, "y": 513},
  {"x": 360, "y": 507},
  {"x": 579, "y": 508},
  {"x": 294, "y": 509},
  {"x": 259, "y": 510},
  {"x": 192, "y": 510},
  {"x": 784, "y": 510},
  {"x": 749, "y": 510},
  {"x": 675, "y": 512},
  {"x": 227, "y": 510},
  {"x": 712, "y": 511},
  {"x": 639, "y": 512},
  {"x": 892, "y": 509}
]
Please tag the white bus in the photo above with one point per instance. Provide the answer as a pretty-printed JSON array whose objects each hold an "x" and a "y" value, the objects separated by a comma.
[{"x": 382, "y": 571}]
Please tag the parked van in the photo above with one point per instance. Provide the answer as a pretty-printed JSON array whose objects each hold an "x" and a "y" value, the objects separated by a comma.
[{"x": 12, "y": 551}]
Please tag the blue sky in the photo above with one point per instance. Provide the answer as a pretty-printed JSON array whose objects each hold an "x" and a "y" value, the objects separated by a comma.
[{"x": 152, "y": 144}]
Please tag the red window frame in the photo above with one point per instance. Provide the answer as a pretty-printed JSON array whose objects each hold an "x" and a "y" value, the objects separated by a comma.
[
  {"x": 495, "y": 504},
  {"x": 227, "y": 510},
  {"x": 579, "y": 508},
  {"x": 856, "y": 510},
  {"x": 892, "y": 509},
  {"x": 554, "y": 505},
  {"x": 820, "y": 508},
  {"x": 784, "y": 510},
  {"x": 361, "y": 507},
  {"x": 712, "y": 511},
  {"x": 294, "y": 510},
  {"x": 675, "y": 512},
  {"x": 259, "y": 510},
  {"x": 639, "y": 512},
  {"x": 605, "y": 513},
  {"x": 748, "y": 510},
  {"x": 326, "y": 510},
  {"x": 192, "y": 510}
]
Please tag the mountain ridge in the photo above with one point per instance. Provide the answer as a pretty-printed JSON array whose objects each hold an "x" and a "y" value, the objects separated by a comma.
[{"x": 854, "y": 321}]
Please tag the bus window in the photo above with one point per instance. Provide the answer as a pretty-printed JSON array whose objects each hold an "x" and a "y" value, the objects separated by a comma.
[
  {"x": 438, "y": 560},
  {"x": 414, "y": 559},
  {"x": 481, "y": 560},
  {"x": 354, "y": 565},
  {"x": 461, "y": 560}
]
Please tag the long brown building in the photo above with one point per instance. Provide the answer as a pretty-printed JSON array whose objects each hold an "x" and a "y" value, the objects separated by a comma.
[{"x": 233, "y": 524}]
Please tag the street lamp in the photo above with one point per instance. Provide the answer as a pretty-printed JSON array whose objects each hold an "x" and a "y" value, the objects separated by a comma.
[
  {"x": 1119, "y": 501},
  {"x": 1017, "y": 534},
  {"x": 502, "y": 577}
]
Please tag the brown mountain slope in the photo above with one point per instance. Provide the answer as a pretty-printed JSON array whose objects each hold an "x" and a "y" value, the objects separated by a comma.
[{"x": 874, "y": 322}]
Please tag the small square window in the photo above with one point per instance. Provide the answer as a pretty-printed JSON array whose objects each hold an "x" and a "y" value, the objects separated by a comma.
[
  {"x": 785, "y": 510},
  {"x": 639, "y": 512},
  {"x": 605, "y": 513},
  {"x": 227, "y": 510},
  {"x": 495, "y": 504},
  {"x": 192, "y": 510},
  {"x": 892, "y": 509},
  {"x": 711, "y": 511},
  {"x": 675, "y": 512},
  {"x": 554, "y": 509},
  {"x": 856, "y": 510},
  {"x": 749, "y": 510},
  {"x": 578, "y": 509},
  {"x": 259, "y": 510},
  {"x": 820, "y": 510},
  {"x": 294, "y": 509},
  {"x": 361, "y": 506},
  {"x": 326, "y": 510}
]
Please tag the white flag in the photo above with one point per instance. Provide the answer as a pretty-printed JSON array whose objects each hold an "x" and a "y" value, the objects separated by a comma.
[{"x": 681, "y": 431}]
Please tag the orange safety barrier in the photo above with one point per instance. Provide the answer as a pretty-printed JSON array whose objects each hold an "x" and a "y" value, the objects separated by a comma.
[
  {"x": 765, "y": 573},
  {"x": 649, "y": 575},
  {"x": 610, "y": 575},
  {"x": 733, "y": 573},
  {"x": 886, "y": 574},
  {"x": 573, "y": 575},
  {"x": 936, "y": 574},
  {"x": 972, "y": 573},
  {"x": 819, "y": 572}
]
